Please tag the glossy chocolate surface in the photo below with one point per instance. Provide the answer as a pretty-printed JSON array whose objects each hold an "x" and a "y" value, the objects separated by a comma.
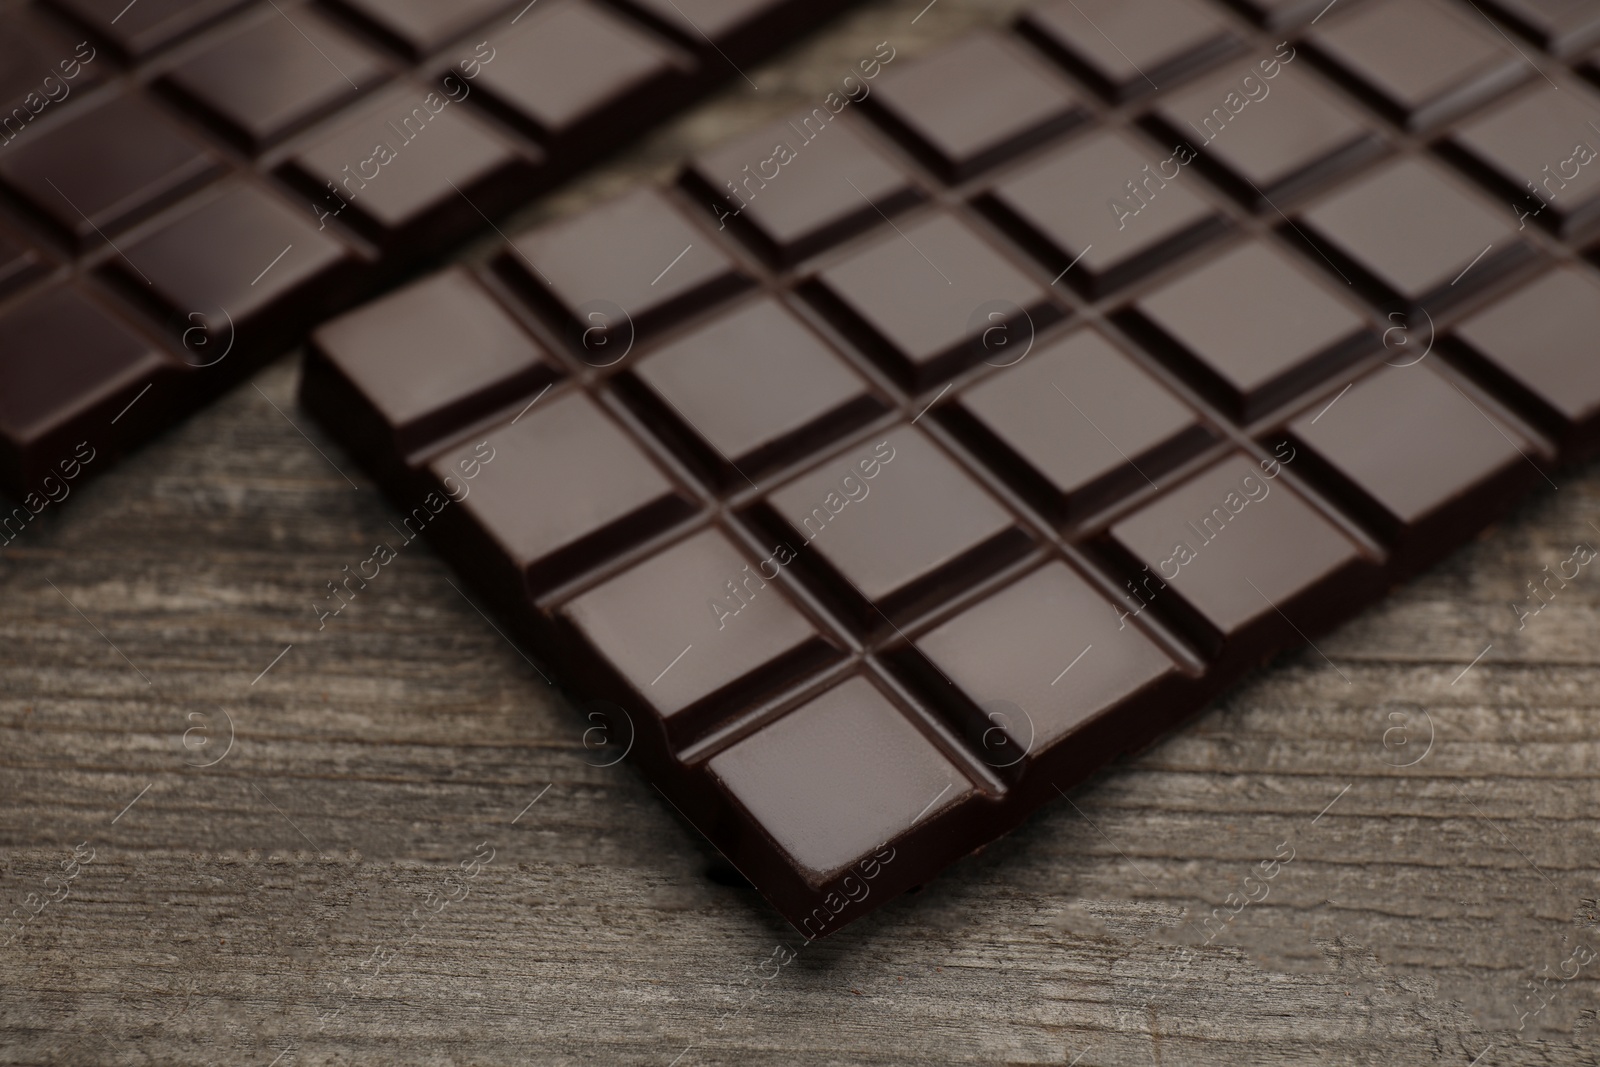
[
  {"x": 412, "y": 168},
  {"x": 259, "y": 166},
  {"x": 642, "y": 619},
  {"x": 818, "y": 779},
  {"x": 566, "y": 449},
  {"x": 1042, "y": 657},
  {"x": 42, "y": 68},
  {"x": 926, "y": 519}
]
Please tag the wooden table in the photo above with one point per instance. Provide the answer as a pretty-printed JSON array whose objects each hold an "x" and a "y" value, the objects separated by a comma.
[{"x": 262, "y": 806}]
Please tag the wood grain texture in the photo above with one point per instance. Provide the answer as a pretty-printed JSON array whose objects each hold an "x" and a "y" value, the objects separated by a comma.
[{"x": 259, "y": 910}]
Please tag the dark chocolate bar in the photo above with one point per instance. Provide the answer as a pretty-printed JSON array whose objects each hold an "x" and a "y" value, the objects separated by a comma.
[
  {"x": 905, "y": 463},
  {"x": 215, "y": 176}
]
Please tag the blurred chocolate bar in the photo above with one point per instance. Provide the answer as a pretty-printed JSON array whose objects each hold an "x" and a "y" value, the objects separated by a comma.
[{"x": 187, "y": 185}]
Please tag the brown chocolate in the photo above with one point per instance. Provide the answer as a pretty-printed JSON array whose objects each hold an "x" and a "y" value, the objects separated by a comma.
[
  {"x": 356, "y": 139},
  {"x": 881, "y": 480}
]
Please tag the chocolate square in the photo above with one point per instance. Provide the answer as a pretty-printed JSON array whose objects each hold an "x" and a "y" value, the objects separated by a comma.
[
  {"x": 1041, "y": 658},
  {"x": 972, "y": 105},
  {"x": 108, "y": 167},
  {"x": 1421, "y": 62},
  {"x": 276, "y": 75},
  {"x": 1406, "y": 232},
  {"x": 1267, "y": 130},
  {"x": 570, "y": 66},
  {"x": 799, "y": 185},
  {"x": 840, "y": 776},
  {"x": 1251, "y": 328},
  {"x": 1537, "y": 347},
  {"x": 1077, "y": 425},
  {"x": 695, "y": 625},
  {"x": 564, "y": 448},
  {"x": 64, "y": 361},
  {"x": 1441, "y": 482},
  {"x": 754, "y": 387},
  {"x": 1539, "y": 149},
  {"x": 1130, "y": 48},
  {"x": 41, "y": 70},
  {"x": 1244, "y": 550},
  {"x": 620, "y": 273},
  {"x": 432, "y": 357},
  {"x": 888, "y": 523},
  {"x": 240, "y": 264},
  {"x": 1134, "y": 209},
  {"x": 923, "y": 297},
  {"x": 412, "y": 166}
]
